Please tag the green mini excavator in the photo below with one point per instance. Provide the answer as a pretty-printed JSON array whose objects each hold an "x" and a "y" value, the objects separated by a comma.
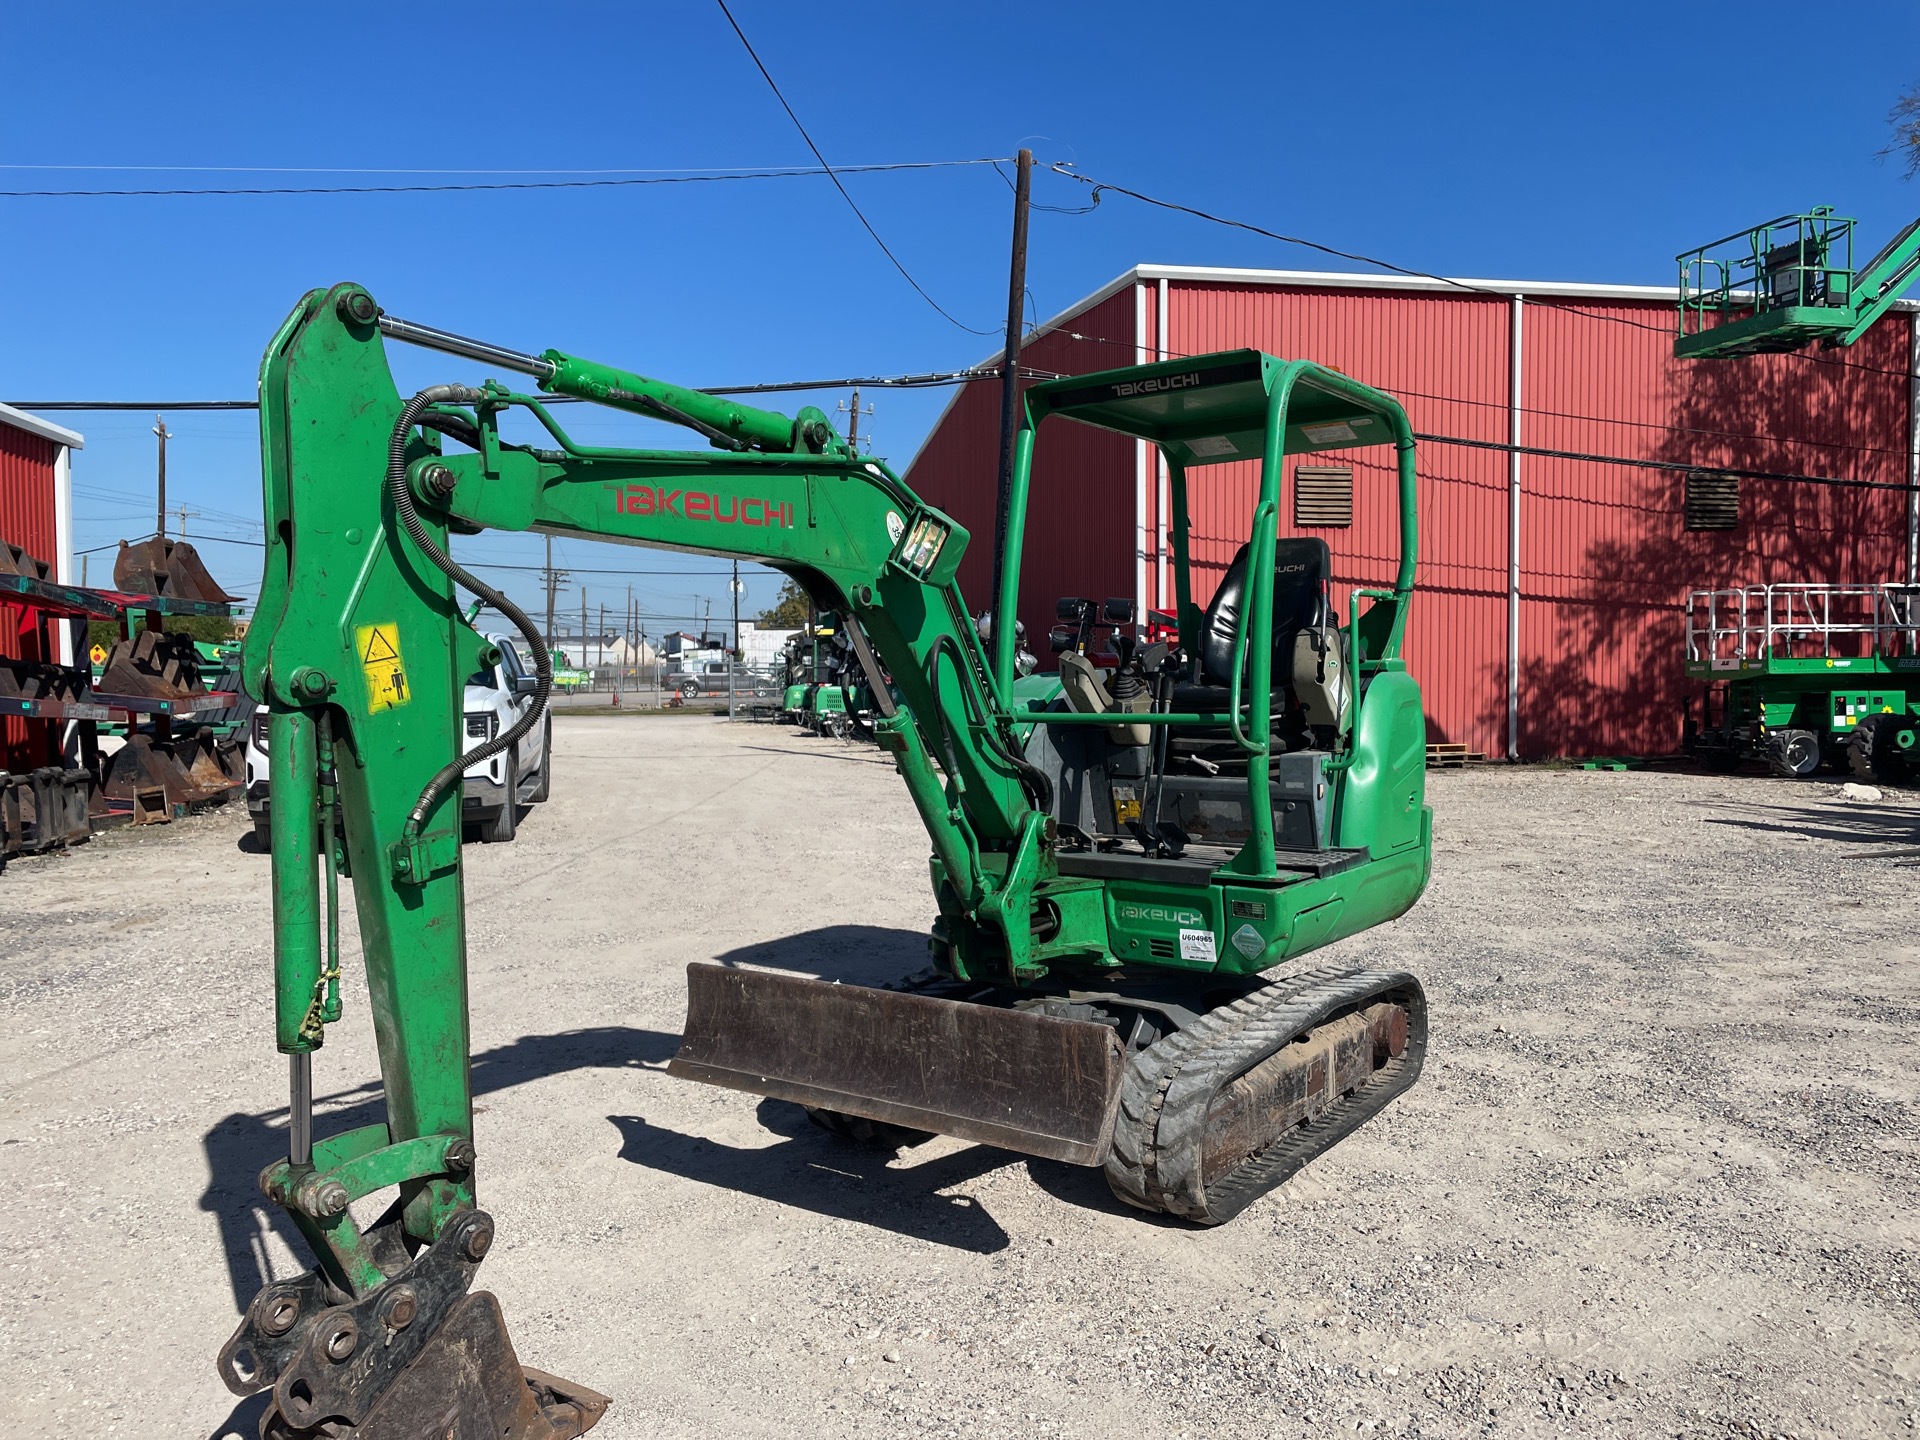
[{"x": 1127, "y": 862}]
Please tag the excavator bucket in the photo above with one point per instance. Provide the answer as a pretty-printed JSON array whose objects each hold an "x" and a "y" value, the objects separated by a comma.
[
  {"x": 153, "y": 665},
  {"x": 15, "y": 561},
  {"x": 171, "y": 569},
  {"x": 1014, "y": 1078}
]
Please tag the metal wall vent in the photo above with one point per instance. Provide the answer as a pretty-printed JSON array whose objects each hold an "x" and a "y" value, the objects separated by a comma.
[
  {"x": 1712, "y": 500},
  {"x": 1323, "y": 495}
]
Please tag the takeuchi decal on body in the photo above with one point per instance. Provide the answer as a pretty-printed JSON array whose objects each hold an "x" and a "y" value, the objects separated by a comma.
[{"x": 699, "y": 505}]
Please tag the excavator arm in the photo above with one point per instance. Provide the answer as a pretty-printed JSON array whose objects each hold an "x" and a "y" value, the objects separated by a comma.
[{"x": 359, "y": 648}]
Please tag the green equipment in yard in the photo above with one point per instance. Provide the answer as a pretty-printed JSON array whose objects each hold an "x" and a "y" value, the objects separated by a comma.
[
  {"x": 1799, "y": 675},
  {"x": 1805, "y": 675},
  {"x": 1128, "y": 867},
  {"x": 1787, "y": 283}
]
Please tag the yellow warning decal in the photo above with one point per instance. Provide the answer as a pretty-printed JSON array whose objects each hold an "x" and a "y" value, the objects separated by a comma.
[{"x": 386, "y": 672}]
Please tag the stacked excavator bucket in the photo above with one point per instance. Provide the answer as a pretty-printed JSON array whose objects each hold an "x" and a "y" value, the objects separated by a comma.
[
  {"x": 171, "y": 569},
  {"x": 15, "y": 561},
  {"x": 34, "y": 680},
  {"x": 157, "y": 666}
]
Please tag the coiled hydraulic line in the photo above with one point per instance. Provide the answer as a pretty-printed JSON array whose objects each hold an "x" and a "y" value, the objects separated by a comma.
[{"x": 542, "y": 661}]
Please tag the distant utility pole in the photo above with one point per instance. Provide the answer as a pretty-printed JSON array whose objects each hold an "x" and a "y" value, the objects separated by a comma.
[
  {"x": 160, "y": 429},
  {"x": 853, "y": 413},
  {"x": 600, "y": 640},
  {"x": 551, "y": 578},
  {"x": 1010, "y": 389},
  {"x": 183, "y": 512},
  {"x": 583, "y": 627}
]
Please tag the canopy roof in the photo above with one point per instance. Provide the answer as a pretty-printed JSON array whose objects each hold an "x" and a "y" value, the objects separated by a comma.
[{"x": 1209, "y": 409}]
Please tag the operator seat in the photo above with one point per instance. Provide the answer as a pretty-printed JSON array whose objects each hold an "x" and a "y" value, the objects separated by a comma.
[{"x": 1309, "y": 647}]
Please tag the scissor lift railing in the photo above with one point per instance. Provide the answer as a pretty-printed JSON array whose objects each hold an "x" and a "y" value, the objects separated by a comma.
[{"x": 1754, "y": 624}]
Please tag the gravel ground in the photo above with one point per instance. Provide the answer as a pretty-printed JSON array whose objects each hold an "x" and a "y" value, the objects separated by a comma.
[{"x": 1657, "y": 1181}]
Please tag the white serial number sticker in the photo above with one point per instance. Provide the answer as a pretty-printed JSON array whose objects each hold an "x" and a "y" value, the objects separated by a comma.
[{"x": 1197, "y": 945}]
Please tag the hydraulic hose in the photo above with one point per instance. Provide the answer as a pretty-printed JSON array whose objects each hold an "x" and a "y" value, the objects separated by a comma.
[
  {"x": 542, "y": 661},
  {"x": 1032, "y": 779}
]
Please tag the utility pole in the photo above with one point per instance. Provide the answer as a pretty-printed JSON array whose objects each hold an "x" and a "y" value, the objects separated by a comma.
[
  {"x": 1010, "y": 396},
  {"x": 853, "y": 422},
  {"x": 551, "y": 578},
  {"x": 734, "y": 585},
  {"x": 183, "y": 512},
  {"x": 583, "y": 627},
  {"x": 160, "y": 429},
  {"x": 600, "y": 640}
]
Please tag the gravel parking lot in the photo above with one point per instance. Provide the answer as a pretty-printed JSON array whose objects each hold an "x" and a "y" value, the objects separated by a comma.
[{"x": 1659, "y": 1178}]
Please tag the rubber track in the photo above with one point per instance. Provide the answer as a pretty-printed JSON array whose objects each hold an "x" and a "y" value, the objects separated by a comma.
[{"x": 1168, "y": 1088}]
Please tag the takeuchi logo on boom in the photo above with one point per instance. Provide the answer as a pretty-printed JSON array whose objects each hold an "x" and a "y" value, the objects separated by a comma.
[{"x": 698, "y": 505}]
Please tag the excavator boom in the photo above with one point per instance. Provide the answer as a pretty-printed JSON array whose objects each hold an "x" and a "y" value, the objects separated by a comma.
[{"x": 1088, "y": 1002}]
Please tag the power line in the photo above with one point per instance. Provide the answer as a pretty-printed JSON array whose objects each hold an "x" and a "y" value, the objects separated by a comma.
[
  {"x": 928, "y": 380},
  {"x": 708, "y": 178},
  {"x": 1690, "y": 466},
  {"x": 833, "y": 176},
  {"x": 396, "y": 170},
  {"x": 1066, "y": 169},
  {"x": 1503, "y": 406}
]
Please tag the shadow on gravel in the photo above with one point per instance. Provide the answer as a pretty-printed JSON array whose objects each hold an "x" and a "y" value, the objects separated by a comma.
[
  {"x": 1853, "y": 825},
  {"x": 865, "y": 954},
  {"x": 1085, "y": 1186},
  {"x": 244, "y": 1422},
  {"x": 811, "y": 1170},
  {"x": 238, "y": 1147}
]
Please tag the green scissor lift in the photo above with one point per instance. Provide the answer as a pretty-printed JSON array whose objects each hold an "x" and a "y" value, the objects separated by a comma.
[{"x": 1802, "y": 675}]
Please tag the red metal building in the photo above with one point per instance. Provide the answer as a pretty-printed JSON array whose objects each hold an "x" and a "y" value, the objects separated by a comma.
[
  {"x": 36, "y": 514},
  {"x": 1549, "y": 615}
]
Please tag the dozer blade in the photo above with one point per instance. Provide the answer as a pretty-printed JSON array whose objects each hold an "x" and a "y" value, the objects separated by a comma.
[
  {"x": 169, "y": 568},
  {"x": 1023, "y": 1081}
]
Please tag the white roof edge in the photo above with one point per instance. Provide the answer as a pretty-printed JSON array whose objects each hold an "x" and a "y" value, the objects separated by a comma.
[
  {"x": 45, "y": 429},
  {"x": 1446, "y": 285}
]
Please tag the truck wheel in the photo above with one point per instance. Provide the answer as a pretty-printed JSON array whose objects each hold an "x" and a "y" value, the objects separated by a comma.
[
  {"x": 1793, "y": 754},
  {"x": 543, "y": 783},
  {"x": 500, "y": 827},
  {"x": 263, "y": 834}
]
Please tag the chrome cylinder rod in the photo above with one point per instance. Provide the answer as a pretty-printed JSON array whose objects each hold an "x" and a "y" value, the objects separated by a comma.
[
  {"x": 429, "y": 338},
  {"x": 300, "y": 1108}
]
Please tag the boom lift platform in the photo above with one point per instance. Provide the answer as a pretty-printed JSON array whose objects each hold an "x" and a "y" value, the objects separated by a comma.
[
  {"x": 1785, "y": 284},
  {"x": 1127, "y": 865}
]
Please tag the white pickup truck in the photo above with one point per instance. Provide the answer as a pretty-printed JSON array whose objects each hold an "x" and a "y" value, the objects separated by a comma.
[{"x": 496, "y": 698}]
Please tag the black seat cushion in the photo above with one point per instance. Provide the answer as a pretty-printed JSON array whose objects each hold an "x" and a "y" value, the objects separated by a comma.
[{"x": 1302, "y": 565}]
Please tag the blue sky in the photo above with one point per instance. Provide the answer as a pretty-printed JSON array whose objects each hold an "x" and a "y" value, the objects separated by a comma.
[{"x": 1533, "y": 141}]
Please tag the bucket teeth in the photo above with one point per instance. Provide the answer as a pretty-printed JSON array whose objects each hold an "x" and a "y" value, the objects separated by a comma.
[{"x": 171, "y": 569}]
